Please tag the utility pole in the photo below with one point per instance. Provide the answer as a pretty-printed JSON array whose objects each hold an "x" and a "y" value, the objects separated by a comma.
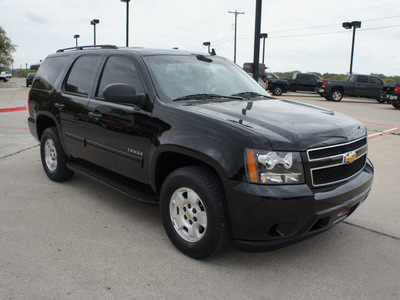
[
  {"x": 236, "y": 15},
  {"x": 257, "y": 31}
]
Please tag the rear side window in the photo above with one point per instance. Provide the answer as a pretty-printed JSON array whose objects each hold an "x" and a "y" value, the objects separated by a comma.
[
  {"x": 49, "y": 72},
  {"x": 81, "y": 78},
  {"x": 120, "y": 69},
  {"x": 362, "y": 79}
]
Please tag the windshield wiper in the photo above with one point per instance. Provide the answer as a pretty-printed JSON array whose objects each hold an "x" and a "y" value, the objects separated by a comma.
[
  {"x": 207, "y": 96},
  {"x": 250, "y": 95}
]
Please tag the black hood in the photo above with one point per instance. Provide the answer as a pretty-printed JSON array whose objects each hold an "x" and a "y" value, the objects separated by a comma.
[{"x": 288, "y": 125}]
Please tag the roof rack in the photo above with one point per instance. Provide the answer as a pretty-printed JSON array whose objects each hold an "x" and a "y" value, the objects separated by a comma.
[{"x": 90, "y": 47}]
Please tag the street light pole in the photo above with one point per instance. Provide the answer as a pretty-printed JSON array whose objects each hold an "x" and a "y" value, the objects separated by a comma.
[
  {"x": 354, "y": 25},
  {"x": 127, "y": 21},
  {"x": 207, "y": 44},
  {"x": 76, "y": 37},
  {"x": 234, "y": 47},
  {"x": 263, "y": 36},
  {"x": 94, "y": 22}
]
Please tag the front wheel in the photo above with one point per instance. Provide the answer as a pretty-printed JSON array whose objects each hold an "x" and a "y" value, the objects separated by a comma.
[
  {"x": 336, "y": 95},
  {"x": 54, "y": 160},
  {"x": 193, "y": 212},
  {"x": 277, "y": 90}
]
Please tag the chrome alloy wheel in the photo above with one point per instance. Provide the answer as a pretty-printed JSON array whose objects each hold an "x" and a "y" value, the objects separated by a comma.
[
  {"x": 336, "y": 96},
  {"x": 188, "y": 214},
  {"x": 50, "y": 154}
]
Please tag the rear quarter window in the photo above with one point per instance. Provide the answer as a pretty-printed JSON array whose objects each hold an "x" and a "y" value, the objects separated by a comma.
[{"x": 49, "y": 72}]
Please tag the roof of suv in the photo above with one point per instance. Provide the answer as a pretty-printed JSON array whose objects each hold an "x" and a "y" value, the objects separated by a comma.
[{"x": 139, "y": 50}]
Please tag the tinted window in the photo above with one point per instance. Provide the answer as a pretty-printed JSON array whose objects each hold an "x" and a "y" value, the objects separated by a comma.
[
  {"x": 375, "y": 80},
  {"x": 362, "y": 78},
  {"x": 304, "y": 77},
  {"x": 270, "y": 76},
  {"x": 81, "y": 77},
  {"x": 351, "y": 78},
  {"x": 120, "y": 70},
  {"x": 48, "y": 72}
]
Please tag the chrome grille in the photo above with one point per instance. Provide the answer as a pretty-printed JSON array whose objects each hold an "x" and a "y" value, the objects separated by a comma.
[{"x": 334, "y": 164}]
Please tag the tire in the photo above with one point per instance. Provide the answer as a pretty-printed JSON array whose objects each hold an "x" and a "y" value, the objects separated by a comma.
[
  {"x": 380, "y": 100},
  {"x": 396, "y": 105},
  {"x": 54, "y": 159},
  {"x": 193, "y": 212},
  {"x": 327, "y": 98},
  {"x": 336, "y": 95},
  {"x": 277, "y": 90}
]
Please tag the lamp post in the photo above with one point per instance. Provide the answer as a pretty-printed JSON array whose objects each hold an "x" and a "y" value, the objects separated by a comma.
[
  {"x": 354, "y": 25},
  {"x": 263, "y": 36},
  {"x": 127, "y": 21},
  {"x": 208, "y": 44},
  {"x": 94, "y": 22},
  {"x": 76, "y": 37}
]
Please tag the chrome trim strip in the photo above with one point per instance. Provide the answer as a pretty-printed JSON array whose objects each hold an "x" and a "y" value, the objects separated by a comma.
[{"x": 333, "y": 146}]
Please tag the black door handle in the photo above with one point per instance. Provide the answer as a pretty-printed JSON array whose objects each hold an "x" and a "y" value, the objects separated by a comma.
[{"x": 95, "y": 116}]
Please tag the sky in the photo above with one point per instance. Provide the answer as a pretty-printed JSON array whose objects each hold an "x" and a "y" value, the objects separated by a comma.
[{"x": 304, "y": 35}]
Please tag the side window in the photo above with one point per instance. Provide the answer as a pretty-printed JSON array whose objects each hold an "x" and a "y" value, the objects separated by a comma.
[
  {"x": 362, "y": 79},
  {"x": 120, "y": 69},
  {"x": 82, "y": 75},
  {"x": 49, "y": 72},
  {"x": 375, "y": 80}
]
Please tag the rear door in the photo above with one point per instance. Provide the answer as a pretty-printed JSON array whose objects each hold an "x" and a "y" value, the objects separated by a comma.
[
  {"x": 72, "y": 102},
  {"x": 118, "y": 135}
]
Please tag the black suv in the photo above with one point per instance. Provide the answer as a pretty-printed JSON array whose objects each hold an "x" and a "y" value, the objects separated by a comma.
[{"x": 198, "y": 136}]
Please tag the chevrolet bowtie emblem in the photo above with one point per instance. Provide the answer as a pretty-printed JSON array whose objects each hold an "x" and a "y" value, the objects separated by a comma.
[{"x": 350, "y": 157}]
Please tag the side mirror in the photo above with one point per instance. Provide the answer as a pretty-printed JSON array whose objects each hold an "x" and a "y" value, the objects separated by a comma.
[{"x": 122, "y": 93}]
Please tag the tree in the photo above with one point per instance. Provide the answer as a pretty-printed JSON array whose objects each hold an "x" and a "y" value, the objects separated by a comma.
[{"x": 7, "y": 48}]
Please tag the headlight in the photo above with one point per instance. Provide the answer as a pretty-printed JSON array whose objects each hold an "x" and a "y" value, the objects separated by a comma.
[{"x": 270, "y": 167}]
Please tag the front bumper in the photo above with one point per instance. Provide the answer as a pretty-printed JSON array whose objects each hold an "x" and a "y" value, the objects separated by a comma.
[{"x": 266, "y": 218}]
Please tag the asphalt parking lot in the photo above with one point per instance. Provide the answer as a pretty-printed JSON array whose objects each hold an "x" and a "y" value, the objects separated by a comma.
[{"x": 82, "y": 240}]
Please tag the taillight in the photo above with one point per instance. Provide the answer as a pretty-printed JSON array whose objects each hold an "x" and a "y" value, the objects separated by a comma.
[
  {"x": 397, "y": 90},
  {"x": 323, "y": 83}
]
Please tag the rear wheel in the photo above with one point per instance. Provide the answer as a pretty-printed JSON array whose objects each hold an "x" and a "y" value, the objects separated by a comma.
[
  {"x": 54, "y": 160},
  {"x": 193, "y": 212},
  {"x": 336, "y": 95}
]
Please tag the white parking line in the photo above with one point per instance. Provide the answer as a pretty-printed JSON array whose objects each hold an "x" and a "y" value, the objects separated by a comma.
[{"x": 386, "y": 132}]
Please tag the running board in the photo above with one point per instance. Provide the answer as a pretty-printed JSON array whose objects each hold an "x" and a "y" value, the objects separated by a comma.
[{"x": 129, "y": 187}]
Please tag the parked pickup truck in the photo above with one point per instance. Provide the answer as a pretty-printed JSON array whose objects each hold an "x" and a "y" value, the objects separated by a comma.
[
  {"x": 300, "y": 82},
  {"x": 391, "y": 94},
  {"x": 367, "y": 86},
  {"x": 196, "y": 135},
  {"x": 303, "y": 82}
]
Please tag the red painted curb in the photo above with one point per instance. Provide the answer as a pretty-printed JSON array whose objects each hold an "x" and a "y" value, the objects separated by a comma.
[{"x": 4, "y": 110}]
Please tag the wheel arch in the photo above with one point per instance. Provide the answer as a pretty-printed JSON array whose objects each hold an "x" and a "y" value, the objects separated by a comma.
[
  {"x": 44, "y": 121},
  {"x": 171, "y": 158}
]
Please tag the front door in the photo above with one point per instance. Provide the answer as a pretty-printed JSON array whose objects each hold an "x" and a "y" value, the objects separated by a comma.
[{"x": 118, "y": 135}]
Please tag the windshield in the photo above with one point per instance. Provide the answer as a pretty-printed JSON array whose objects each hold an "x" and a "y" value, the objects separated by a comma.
[{"x": 177, "y": 77}]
